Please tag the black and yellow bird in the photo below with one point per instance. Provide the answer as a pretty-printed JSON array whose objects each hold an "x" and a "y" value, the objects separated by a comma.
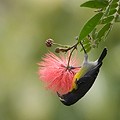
[{"x": 83, "y": 79}]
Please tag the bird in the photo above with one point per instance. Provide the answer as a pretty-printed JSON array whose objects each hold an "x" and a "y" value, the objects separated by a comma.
[{"x": 83, "y": 79}]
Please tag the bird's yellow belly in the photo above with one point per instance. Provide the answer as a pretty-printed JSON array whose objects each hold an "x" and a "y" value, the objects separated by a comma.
[{"x": 77, "y": 76}]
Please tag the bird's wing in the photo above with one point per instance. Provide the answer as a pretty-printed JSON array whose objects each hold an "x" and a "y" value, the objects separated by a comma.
[{"x": 83, "y": 85}]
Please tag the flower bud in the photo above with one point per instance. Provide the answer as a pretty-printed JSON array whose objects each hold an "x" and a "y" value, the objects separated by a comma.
[
  {"x": 49, "y": 42},
  {"x": 57, "y": 50}
]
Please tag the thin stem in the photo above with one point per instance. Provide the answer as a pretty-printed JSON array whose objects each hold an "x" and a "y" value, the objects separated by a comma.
[
  {"x": 73, "y": 48},
  {"x": 64, "y": 46},
  {"x": 83, "y": 47}
]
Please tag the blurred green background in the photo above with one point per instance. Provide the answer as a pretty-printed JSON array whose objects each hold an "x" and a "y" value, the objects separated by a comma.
[{"x": 24, "y": 26}]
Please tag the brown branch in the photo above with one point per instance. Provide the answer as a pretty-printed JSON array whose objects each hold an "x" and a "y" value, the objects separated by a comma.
[{"x": 73, "y": 48}]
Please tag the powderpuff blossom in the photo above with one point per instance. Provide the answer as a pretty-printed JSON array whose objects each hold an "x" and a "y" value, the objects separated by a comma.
[{"x": 54, "y": 73}]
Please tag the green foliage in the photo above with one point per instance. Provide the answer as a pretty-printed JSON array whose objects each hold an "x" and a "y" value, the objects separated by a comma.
[
  {"x": 103, "y": 31},
  {"x": 98, "y": 27},
  {"x": 86, "y": 44},
  {"x": 107, "y": 20},
  {"x": 95, "y": 4},
  {"x": 90, "y": 25}
]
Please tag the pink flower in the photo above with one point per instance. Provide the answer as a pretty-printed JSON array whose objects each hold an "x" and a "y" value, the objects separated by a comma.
[{"x": 54, "y": 72}]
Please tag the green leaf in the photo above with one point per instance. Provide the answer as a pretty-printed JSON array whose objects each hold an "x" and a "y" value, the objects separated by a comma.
[
  {"x": 112, "y": 11},
  {"x": 103, "y": 31},
  {"x": 115, "y": 1},
  {"x": 94, "y": 33},
  {"x": 85, "y": 41},
  {"x": 95, "y": 4},
  {"x": 89, "y": 26},
  {"x": 114, "y": 5},
  {"x": 107, "y": 32},
  {"x": 87, "y": 48},
  {"x": 107, "y": 20}
]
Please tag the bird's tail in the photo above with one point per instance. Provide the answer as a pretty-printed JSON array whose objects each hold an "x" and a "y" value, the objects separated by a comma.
[{"x": 102, "y": 56}]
